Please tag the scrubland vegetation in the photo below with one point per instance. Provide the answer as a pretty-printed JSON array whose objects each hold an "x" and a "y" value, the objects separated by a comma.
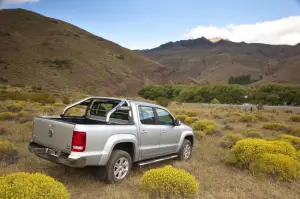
[
  {"x": 270, "y": 94},
  {"x": 237, "y": 154}
]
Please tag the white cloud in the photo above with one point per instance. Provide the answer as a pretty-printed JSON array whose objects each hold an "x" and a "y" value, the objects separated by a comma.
[
  {"x": 17, "y": 1},
  {"x": 282, "y": 31}
]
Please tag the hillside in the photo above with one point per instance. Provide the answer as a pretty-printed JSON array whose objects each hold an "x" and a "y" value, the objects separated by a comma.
[
  {"x": 39, "y": 51},
  {"x": 203, "y": 61}
]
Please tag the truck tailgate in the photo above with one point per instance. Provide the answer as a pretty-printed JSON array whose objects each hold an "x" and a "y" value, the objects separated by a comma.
[{"x": 53, "y": 134}]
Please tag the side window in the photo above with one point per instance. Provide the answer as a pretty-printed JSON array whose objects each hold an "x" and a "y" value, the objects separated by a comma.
[
  {"x": 146, "y": 115},
  {"x": 164, "y": 117}
]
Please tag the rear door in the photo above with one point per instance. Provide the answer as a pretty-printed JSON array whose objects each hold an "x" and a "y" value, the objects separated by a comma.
[
  {"x": 170, "y": 134},
  {"x": 53, "y": 134},
  {"x": 149, "y": 133}
]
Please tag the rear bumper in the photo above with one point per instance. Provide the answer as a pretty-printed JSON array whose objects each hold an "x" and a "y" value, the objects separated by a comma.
[{"x": 64, "y": 159}]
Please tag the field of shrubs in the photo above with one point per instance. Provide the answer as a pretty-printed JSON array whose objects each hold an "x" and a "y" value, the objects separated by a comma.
[{"x": 237, "y": 154}]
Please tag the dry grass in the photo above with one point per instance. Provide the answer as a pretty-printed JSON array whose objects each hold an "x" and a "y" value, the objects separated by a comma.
[{"x": 217, "y": 180}]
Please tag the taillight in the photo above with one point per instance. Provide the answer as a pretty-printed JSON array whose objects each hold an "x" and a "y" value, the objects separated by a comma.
[{"x": 78, "y": 141}]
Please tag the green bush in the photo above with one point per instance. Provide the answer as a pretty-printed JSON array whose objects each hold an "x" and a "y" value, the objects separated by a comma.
[
  {"x": 8, "y": 152},
  {"x": 190, "y": 120},
  {"x": 276, "y": 126},
  {"x": 209, "y": 127},
  {"x": 228, "y": 140},
  {"x": 169, "y": 182},
  {"x": 253, "y": 133},
  {"x": 295, "y": 118},
  {"x": 37, "y": 185},
  {"x": 296, "y": 132},
  {"x": 248, "y": 150},
  {"x": 199, "y": 134},
  {"x": 65, "y": 100},
  {"x": 248, "y": 119},
  {"x": 214, "y": 101},
  {"x": 181, "y": 117},
  {"x": 44, "y": 98},
  {"x": 279, "y": 166},
  {"x": 7, "y": 116},
  {"x": 162, "y": 101}
]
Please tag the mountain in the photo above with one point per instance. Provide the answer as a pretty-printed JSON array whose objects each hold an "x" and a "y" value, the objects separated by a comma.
[
  {"x": 204, "y": 62},
  {"x": 39, "y": 51}
]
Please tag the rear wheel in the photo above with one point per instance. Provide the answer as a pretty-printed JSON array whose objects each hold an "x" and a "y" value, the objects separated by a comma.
[
  {"x": 185, "y": 152},
  {"x": 118, "y": 167}
]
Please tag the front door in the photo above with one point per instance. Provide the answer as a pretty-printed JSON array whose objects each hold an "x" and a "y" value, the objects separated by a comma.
[
  {"x": 170, "y": 134},
  {"x": 150, "y": 133}
]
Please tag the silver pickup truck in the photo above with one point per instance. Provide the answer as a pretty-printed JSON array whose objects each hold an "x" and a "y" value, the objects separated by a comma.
[{"x": 111, "y": 134}]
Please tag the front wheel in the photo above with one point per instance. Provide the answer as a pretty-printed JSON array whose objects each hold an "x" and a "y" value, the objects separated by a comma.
[
  {"x": 185, "y": 152},
  {"x": 118, "y": 167}
]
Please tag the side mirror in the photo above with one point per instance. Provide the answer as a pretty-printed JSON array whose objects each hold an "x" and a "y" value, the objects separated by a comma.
[{"x": 177, "y": 122}]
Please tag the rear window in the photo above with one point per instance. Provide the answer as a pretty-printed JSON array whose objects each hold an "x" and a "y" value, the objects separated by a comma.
[{"x": 102, "y": 108}]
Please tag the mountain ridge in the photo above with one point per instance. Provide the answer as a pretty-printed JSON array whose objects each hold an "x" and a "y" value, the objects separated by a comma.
[
  {"x": 37, "y": 50},
  {"x": 215, "y": 62}
]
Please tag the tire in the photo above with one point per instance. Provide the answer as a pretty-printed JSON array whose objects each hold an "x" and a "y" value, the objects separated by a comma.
[
  {"x": 118, "y": 157},
  {"x": 182, "y": 155}
]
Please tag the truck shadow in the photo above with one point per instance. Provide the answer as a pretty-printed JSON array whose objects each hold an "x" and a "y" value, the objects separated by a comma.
[{"x": 76, "y": 176}]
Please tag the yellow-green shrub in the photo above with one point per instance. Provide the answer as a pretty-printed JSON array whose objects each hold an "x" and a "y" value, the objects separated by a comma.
[
  {"x": 181, "y": 117},
  {"x": 248, "y": 119},
  {"x": 228, "y": 140},
  {"x": 276, "y": 126},
  {"x": 58, "y": 104},
  {"x": 8, "y": 152},
  {"x": 298, "y": 155},
  {"x": 16, "y": 107},
  {"x": 44, "y": 98},
  {"x": 48, "y": 109},
  {"x": 207, "y": 126},
  {"x": 295, "y": 141},
  {"x": 261, "y": 117},
  {"x": 169, "y": 182},
  {"x": 190, "y": 120},
  {"x": 253, "y": 133},
  {"x": 251, "y": 149},
  {"x": 6, "y": 147},
  {"x": 199, "y": 134},
  {"x": 295, "y": 118},
  {"x": 192, "y": 114},
  {"x": 37, "y": 185},
  {"x": 218, "y": 116},
  {"x": 7, "y": 116},
  {"x": 296, "y": 132},
  {"x": 280, "y": 166}
]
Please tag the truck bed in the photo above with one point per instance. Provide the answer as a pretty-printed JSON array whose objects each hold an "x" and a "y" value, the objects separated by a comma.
[{"x": 78, "y": 120}]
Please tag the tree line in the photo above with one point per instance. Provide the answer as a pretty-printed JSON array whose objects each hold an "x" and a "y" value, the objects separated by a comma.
[{"x": 267, "y": 94}]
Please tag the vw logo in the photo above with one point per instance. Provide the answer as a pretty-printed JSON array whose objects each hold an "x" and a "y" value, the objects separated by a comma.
[{"x": 50, "y": 132}]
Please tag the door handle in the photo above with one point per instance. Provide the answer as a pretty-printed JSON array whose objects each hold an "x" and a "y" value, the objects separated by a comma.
[
  {"x": 144, "y": 132},
  {"x": 163, "y": 131}
]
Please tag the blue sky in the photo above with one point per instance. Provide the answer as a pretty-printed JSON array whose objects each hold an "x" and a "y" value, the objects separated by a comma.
[{"x": 149, "y": 23}]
